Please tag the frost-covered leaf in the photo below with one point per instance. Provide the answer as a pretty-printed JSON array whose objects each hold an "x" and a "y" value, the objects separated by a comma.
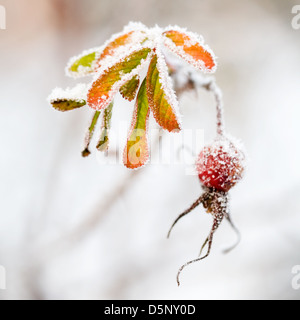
[
  {"x": 84, "y": 64},
  {"x": 161, "y": 97},
  {"x": 103, "y": 142},
  {"x": 191, "y": 48},
  {"x": 129, "y": 89},
  {"x": 67, "y": 105},
  {"x": 136, "y": 152},
  {"x": 69, "y": 99},
  {"x": 112, "y": 78},
  {"x": 132, "y": 35},
  {"x": 112, "y": 47},
  {"x": 88, "y": 137}
]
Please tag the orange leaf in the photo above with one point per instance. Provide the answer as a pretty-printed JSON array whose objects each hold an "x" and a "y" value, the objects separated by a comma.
[
  {"x": 190, "y": 48},
  {"x": 110, "y": 48},
  {"x": 103, "y": 89},
  {"x": 160, "y": 101},
  {"x": 136, "y": 152}
]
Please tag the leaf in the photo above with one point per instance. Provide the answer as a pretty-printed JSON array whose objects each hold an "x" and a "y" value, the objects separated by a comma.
[
  {"x": 112, "y": 45},
  {"x": 136, "y": 152},
  {"x": 88, "y": 137},
  {"x": 132, "y": 34},
  {"x": 70, "y": 98},
  {"x": 191, "y": 48},
  {"x": 161, "y": 97},
  {"x": 84, "y": 64},
  {"x": 67, "y": 105},
  {"x": 103, "y": 89},
  {"x": 103, "y": 142},
  {"x": 90, "y": 61},
  {"x": 129, "y": 89}
]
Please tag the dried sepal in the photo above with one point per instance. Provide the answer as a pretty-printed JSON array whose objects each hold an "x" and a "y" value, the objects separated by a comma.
[
  {"x": 130, "y": 88},
  {"x": 161, "y": 97},
  {"x": 191, "y": 48},
  {"x": 217, "y": 204},
  {"x": 112, "y": 78},
  {"x": 103, "y": 142},
  {"x": 136, "y": 152}
]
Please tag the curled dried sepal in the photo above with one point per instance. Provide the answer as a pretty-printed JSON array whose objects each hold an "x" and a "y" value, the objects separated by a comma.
[
  {"x": 109, "y": 82},
  {"x": 216, "y": 203},
  {"x": 190, "y": 47},
  {"x": 130, "y": 88},
  {"x": 67, "y": 105},
  {"x": 89, "y": 134},
  {"x": 103, "y": 142},
  {"x": 136, "y": 152},
  {"x": 161, "y": 97}
]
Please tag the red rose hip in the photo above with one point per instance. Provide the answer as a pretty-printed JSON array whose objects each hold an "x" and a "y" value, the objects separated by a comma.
[{"x": 220, "y": 166}]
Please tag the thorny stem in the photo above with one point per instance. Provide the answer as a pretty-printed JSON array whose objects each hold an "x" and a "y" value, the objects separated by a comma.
[{"x": 89, "y": 134}]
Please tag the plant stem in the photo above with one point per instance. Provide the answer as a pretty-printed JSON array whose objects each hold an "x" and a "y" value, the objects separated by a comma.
[
  {"x": 215, "y": 89},
  {"x": 89, "y": 134}
]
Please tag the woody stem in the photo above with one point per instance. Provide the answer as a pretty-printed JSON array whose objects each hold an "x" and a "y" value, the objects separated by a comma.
[{"x": 214, "y": 88}]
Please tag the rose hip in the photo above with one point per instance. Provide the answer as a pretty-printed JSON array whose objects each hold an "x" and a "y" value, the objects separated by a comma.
[{"x": 220, "y": 166}]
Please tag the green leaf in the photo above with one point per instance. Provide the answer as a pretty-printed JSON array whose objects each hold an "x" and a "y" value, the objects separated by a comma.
[
  {"x": 67, "y": 105},
  {"x": 103, "y": 89},
  {"x": 83, "y": 64},
  {"x": 136, "y": 153},
  {"x": 162, "y": 104},
  {"x": 103, "y": 142},
  {"x": 129, "y": 89},
  {"x": 88, "y": 137}
]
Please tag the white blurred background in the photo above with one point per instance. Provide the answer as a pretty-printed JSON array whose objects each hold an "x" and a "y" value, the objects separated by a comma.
[{"x": 71, "y": 228}]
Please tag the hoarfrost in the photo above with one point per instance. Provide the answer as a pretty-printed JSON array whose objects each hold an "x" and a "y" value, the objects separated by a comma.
[
  {"x": 192, "y": 39},
  {"x": 167, "y": 84},
  {"x": 82, "y": 71},
  {"x": 78, "y": 93},
  {"x": 110, "y": 62}
]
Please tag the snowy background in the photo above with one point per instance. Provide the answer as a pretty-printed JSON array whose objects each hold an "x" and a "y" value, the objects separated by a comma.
[{"x": 71, "y": 228}]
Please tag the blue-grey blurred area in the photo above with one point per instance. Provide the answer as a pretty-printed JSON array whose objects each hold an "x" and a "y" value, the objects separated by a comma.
[{"x": 71, "y": 228}]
